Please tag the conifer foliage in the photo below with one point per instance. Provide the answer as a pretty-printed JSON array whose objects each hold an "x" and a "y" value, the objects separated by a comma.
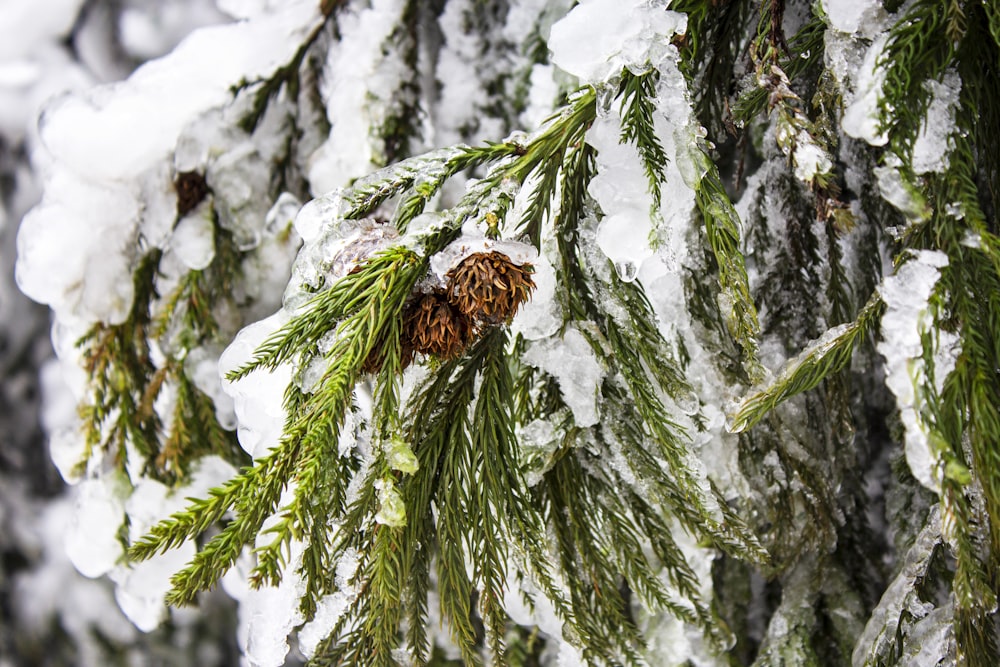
[{"x": 617, "y": 332}]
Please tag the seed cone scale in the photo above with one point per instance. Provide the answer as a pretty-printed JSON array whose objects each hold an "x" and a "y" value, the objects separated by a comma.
[
  {"x": 376, "y": 357},
  {"x": 433, "y": 326},
  {"x": 489, "y": 287}
]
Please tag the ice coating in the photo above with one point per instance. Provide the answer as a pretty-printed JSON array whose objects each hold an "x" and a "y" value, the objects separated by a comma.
[
  {"x": 900, "y": 597},
  {"x": 332, "y": 249},
  {"x": 472, "y": 242},
  {"x": 654, "y": 271},
  {"x": 815, "y": 349},
  {"x": 392, "y": 509},
  {"x": 906, "y": 320},
  {"x": 572, "y": 362},
  {"x": 538, "y": 441}
]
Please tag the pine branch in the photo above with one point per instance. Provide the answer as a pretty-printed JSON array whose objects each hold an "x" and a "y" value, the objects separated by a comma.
[
  {"x": 285, "y": 77},
  {"x": 710, "y": 51},
  {"x": 914, "y": 53},
  {"x": 123, "y": 378},
  {"x": 201, "y": 514},
  {"x": 637, "y": 107},
  {"x": 722, "y": 227},
  {"x": 819, "y": 360},
  {"x": 391, "y": 272}
]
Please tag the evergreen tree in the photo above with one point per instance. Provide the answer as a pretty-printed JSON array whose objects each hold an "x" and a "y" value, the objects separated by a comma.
[{"x": 617, "y": 332}]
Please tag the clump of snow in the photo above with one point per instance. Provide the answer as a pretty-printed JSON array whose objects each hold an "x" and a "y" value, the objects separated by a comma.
[
  {"x": 271, "y": 612},
  {"x": 855, "y": 16},
  {"x": 61, "y": 421},
  {"x": 33, "y": 65},
  {"x": 620, "y": 188},
  {"x": 594, "y": 42},
  {"x": 541, "y": 316},
  {"x": 92, "y": 539},
  {"x": 538, "y": 440},
  {"x": 599, "y": 38},
  {"x": 862, "y": 116},
  {"x": 142, "y": 587},
  {"x": 258, "y": 397},
  {"x": 201, "y": 366},
  {"x": 899, "y": 192},
  {"x": 544, "y": 91},
  {"x": 74, "y": 251},
  {"x": 267, "y": 614},
  {"x": 907, "y": 320},
  {"x": 363, "y": 72},
  {"x": 23, "y": 26},
  {"x": 333, "y": 606},
  {"x": 54, "y": 591},
  {"x": 149, "y": 30},
  {"x": 578, "y": 371},
  {"x": 809, "y": 159},
  {"x": 933, "y": 144},
  {"x": 472, "y": 242},
  {"x": 459, "y": 114},
  {"x": 134, "y": 124}
]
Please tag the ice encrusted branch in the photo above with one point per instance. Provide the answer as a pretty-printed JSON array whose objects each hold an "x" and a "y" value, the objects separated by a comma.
[
  {"x": 901, "y": 608},
  {"x": 819, "y": 360}
]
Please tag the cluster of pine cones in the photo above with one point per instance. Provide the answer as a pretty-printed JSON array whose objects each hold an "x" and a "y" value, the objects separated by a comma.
[{"x": 483, "y": 290}]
